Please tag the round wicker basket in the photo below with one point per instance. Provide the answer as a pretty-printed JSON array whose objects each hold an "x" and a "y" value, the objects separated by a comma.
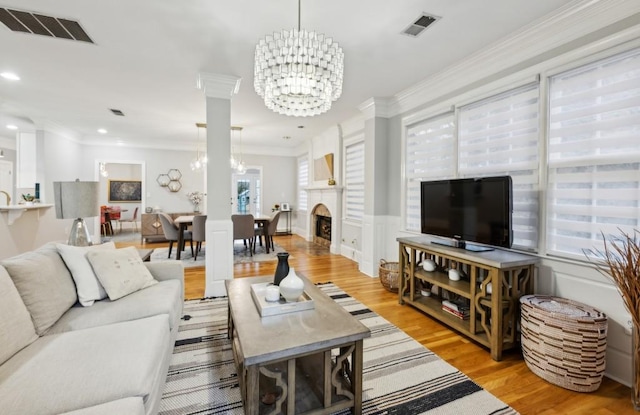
[
  {"x": 563, "y": 341},
  {"x": 388, "y": 274}
]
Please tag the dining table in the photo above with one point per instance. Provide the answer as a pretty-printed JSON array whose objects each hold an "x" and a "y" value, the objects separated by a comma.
[{"x": 183, "y": 222}]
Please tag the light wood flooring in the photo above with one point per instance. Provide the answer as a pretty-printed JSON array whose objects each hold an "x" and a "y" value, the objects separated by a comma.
[{"x": 510, "y": 379}]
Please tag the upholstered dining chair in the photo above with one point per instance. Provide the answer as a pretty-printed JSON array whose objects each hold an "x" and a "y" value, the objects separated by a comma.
[
  {"x": 171, "y": 230},
  {"x": 198, "y": 232},
  {"x": 272, "y": 228},
  {"x": 243, "y": 229},
  {"x": 133, "y": 219}
]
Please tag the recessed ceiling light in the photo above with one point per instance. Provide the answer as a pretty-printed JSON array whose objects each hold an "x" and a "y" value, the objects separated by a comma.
[
  {"x": 10, "y": 76},
  {"x": 102, "y": 131},
  {"x": 12, "y": 127}
]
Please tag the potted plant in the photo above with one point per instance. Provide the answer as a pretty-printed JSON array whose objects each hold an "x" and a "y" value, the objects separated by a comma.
[{"x": 28, "y": 199}]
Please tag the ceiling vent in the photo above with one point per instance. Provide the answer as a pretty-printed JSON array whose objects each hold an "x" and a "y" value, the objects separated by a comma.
[
  {"x": 117, "y": 112},
  {"x": 38, "y": 24},
  {"x": 418, "y": 26}
]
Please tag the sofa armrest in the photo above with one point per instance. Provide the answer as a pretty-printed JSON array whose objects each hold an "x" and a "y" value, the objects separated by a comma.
[{"x": 166, "y": 270}]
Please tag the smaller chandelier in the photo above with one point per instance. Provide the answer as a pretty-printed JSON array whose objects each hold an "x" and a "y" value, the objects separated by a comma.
[
  {"x": 201, "y": 159},
  {"x": 236, "y": 162},
  {"x": 297, "y": 72}
]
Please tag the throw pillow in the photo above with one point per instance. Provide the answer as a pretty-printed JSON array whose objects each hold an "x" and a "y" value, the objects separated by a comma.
[
  {"x": 16, "y": 327},
  {"x": 44, "y": 283},
  {"x": 87, "y": 285},
  {"x": 120, "y": 271}
]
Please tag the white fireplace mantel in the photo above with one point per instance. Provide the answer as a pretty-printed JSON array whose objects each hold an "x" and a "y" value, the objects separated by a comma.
[{"x": 331, "y": 197}]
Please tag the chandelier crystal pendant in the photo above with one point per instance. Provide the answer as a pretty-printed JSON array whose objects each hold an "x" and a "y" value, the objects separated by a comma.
[
  {"x": 298, "y": 72},
  {"x": 201, "y": 160}
]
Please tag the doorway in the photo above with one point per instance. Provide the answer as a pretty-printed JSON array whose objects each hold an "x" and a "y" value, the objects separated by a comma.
[{"x": 246, "y": 191}]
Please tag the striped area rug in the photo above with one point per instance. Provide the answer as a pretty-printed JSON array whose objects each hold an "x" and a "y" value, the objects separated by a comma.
[{"x": 400, "y": 376}]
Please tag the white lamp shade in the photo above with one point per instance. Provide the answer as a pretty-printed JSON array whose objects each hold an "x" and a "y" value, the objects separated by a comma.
[{"x": 76, "y": 199}]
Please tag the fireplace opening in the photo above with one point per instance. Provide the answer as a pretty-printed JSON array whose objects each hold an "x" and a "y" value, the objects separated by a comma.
[{"x": 323, "y": 227}]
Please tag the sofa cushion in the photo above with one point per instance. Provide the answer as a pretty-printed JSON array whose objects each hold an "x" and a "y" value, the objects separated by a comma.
[
  {"x": 83, "y": 368},
  {"x": 121, "y": 272},
  {"x": 126, "y": 406},
  {"x": 16, "y": 327},
  {"x": 88, "y": 287},
  {"x": 162, "y": 298},
  {"x": 44, "y": 283}
]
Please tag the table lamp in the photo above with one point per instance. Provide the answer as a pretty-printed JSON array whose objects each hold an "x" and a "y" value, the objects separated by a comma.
[{"x": 77, "y": 200}]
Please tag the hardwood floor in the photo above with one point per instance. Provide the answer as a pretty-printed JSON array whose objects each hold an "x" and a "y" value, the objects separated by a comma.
[{"x": 510, "y": 379}]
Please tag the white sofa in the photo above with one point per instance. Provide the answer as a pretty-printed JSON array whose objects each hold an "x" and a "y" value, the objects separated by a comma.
[{"x": 60, "y": 357}]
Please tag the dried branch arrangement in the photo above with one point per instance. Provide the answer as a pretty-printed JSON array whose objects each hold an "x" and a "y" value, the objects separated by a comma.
[{"x": 621, "y": 263}]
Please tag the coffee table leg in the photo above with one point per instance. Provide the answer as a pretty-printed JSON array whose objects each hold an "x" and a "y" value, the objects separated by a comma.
[
  {"x": 357, "y": 379},
  {"x": 252, "y": 398}
]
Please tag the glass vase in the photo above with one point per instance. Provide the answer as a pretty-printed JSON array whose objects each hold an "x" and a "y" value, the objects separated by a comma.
[
  {"x": 282, "y": 269},
  {"x": 635, "y": 367}
]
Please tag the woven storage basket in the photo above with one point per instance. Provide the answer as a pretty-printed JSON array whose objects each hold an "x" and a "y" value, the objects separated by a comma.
[
  {"x": 388, "y": 274},
  {"x": 563, "y": 341}
]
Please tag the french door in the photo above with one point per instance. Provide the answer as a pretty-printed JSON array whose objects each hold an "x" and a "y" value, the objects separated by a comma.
[{"x": 246, "y": 192}]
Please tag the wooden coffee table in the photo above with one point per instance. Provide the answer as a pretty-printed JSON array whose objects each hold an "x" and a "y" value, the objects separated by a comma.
[{"x": 299, "y": 362}]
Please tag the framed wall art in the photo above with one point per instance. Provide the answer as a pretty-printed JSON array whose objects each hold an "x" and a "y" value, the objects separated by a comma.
[{"x": 125, "y": 191}]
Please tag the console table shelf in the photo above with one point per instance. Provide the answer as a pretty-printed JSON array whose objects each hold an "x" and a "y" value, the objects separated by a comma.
[{"x": 493, "y": 313}]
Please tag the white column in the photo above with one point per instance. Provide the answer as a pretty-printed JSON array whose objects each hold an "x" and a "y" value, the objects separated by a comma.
[
  {"x": 376, "y": 112},
  {"x": 218, "y": 90}
]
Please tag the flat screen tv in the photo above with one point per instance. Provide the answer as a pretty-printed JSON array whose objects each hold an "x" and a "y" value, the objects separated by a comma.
[{"x": 468, "y": 210}]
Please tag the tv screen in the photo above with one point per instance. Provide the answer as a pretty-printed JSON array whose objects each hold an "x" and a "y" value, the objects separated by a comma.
[{"x": 468, "y": 210}]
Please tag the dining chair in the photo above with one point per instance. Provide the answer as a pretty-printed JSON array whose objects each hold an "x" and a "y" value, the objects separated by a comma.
[
  {"x": 243, "y": 229},
  {"x": 171, "y": 230},
  {"x": 133, "y": 219},
  {"x": 272, "y": 228},
  {"x": 105, "y": 221},
  {"x": 198, "y": 232}
]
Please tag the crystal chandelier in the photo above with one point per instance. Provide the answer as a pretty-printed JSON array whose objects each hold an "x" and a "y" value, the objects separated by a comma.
[
  {"x": 236, "y": 162},
  {"x": 297, "y": 72},
  {"x": 201, "y": 159}
]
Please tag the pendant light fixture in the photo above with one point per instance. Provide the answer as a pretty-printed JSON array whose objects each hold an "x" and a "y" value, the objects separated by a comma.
[
  {"x": 201, "y": 160},
  {"x": 236, "y": 162},
  {"x": 298, "y": 72}
]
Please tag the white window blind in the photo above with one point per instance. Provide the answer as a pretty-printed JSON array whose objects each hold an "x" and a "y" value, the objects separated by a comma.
[
  {"x": 303, "y": 181},
  {"x": 354, "y": 181},
  {"x": 429, "y": 155},
  {"x": 593, "y": 154},
  {"x": 499, "y": 136}
]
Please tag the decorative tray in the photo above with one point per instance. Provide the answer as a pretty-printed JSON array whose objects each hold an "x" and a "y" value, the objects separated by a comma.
[{"x": 272, "y": 308}]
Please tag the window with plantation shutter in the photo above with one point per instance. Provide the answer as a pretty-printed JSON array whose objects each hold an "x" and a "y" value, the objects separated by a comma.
[
  {"x": 429, "y": 155},
  {"x": 499, "y": 136},
  {"x": 593, "y": 154},
  {"x": 303, "y": 182},
  {"x": 354, "y": 181}
]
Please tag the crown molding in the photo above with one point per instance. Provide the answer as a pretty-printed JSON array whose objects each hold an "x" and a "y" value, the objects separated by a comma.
[
  {"x": 573, "y": 21},
  {"x": 218, "y": 85},
  {"x": 375, "y": 107}
]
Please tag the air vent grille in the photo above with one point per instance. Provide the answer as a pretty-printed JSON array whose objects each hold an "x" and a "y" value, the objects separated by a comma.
[
  {"x": 117, "y": 112},
  {"x": 38, "y": 24},
  {"x": 418, "y": 26}
]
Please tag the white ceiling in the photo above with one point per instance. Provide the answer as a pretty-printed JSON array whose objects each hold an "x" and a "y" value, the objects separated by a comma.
[{"x": 148, "y": 54}]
